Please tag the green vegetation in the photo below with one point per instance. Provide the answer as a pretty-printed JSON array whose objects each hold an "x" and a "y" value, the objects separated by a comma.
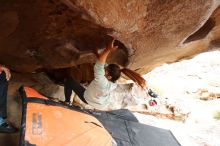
[{"x": 217, "y": 115}]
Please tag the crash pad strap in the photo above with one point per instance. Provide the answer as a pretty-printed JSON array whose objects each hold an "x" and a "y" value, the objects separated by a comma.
[{"x": 52, "y": 103}]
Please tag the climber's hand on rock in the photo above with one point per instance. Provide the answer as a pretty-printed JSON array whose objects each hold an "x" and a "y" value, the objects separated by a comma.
[{"x": 111, "y": 46}]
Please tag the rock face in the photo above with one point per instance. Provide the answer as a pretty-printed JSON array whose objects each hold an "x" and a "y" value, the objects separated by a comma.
[{"x": 52, "y": 34}]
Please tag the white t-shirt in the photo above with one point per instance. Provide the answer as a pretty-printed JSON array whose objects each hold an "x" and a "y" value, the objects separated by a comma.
[{"x": 98, "y": 92}]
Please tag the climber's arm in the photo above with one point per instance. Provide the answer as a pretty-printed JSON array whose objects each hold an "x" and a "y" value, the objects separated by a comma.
[{"x": 104, "y": 54}]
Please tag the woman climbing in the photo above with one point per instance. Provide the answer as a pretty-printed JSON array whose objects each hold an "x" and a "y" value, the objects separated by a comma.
[{"x": 98, "y": 92}]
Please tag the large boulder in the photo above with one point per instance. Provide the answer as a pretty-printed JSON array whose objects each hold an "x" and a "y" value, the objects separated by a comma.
[{"x": 52, "y": 34}]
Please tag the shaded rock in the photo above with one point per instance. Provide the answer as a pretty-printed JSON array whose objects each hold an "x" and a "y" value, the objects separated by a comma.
[{"x": 61, "y": 34}]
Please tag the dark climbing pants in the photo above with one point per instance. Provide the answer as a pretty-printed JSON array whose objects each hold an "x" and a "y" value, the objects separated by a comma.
[
  {"x": 71, "y": 84},
  {"x": 3, "y": 95}
]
